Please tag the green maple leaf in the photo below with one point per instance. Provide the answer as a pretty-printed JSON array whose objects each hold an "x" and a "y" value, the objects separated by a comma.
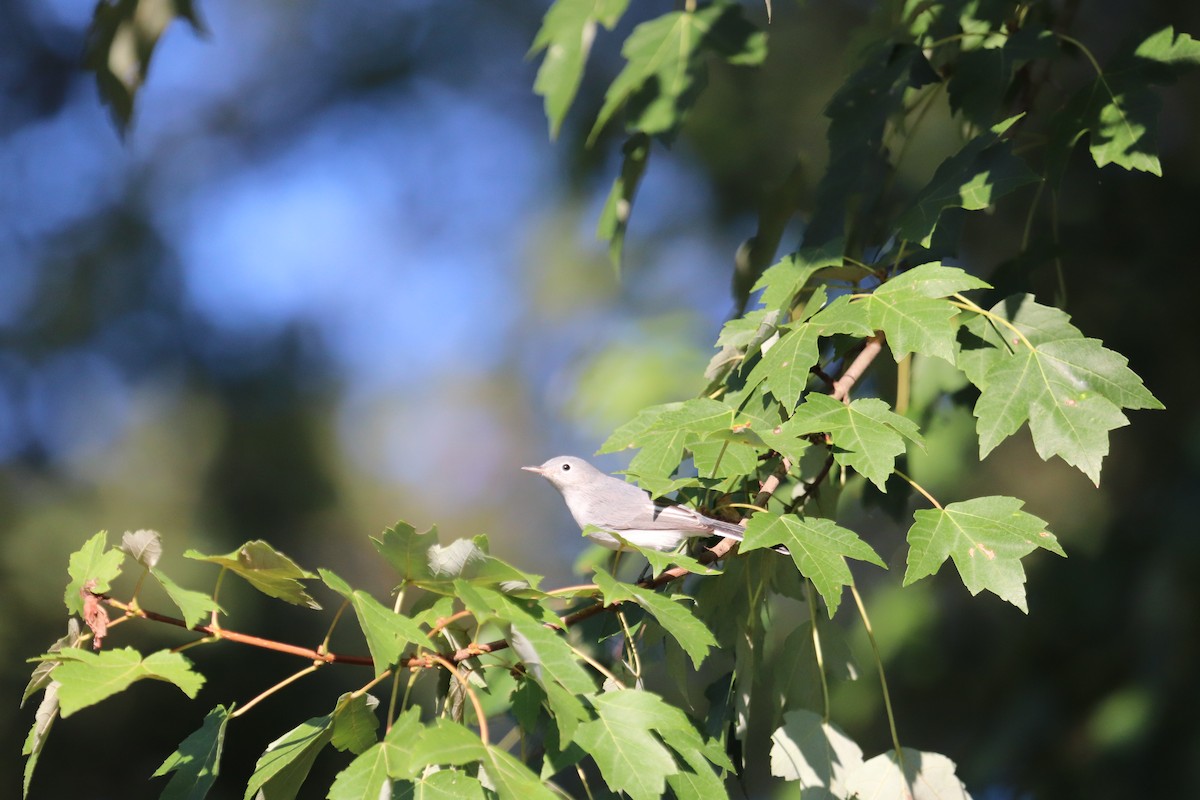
[
  {"x": 867, "y": 435},
  {"x": 986, "y": 537},
  {"x": 369, "y": 773},
  {"x": 1124, "y": 112},
  {"x": 665, "y": 65},
  {"x": 86, "y": 677},
  {"x": 663, "y": 433},
  {"x": 784, "y": 368},
  {"x": 266, "y": 569},
  {"x": 675, "y": 617},
  {"x": 197, "y": 761},
  {"x": 95, "y": 562},
  {"x": 407, "y": 550},
  {"x": 819, "y": 548},
  {"x": 974, "y": 178},
  {"x": 614, "y": 217},
  {"x": 566, "y": 36},
  {"x": 910, "y": 309},
  {"x": 1040, "y": 369},
  {"x": 813, "y": 752},
  {"x": 387, "y": 632},
  {"x": 626, "y": 741},
  {"x": 783, "y": 280}
]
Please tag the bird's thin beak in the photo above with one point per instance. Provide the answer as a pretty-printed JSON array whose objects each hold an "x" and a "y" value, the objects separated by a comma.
[{"x": 538, "y": 470}]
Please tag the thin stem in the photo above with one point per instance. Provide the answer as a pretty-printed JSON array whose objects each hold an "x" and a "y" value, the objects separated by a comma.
[
  {"x": 918, "y": 487},
  {"x": 1058, "y": 262},
  {"x": 903, "y": 384},
  {"x": 1037, "y": 198},
  {"x": 474, "y": 698},
  {"x": 399, "y": 599},
  {"x": 391, "y": 709},
  {"x": 961, "y": 302},
  {"x": 216, "y": 625},
  {"x": 816, "y": 640},
  {"x": 749, "y": 506},
  {"x": 324, "y": 648},
  {"x": 285, "y": 682},
  {"x": 636, "y": 666},
  {"x": 137, "y": 589},
  {"x": 240, "y": 638},
  {"x": 887, "y": 698},
  {"x": 603, "y": 670}
]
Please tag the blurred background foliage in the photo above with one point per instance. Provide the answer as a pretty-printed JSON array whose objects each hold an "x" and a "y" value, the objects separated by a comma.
[{"x": 337, "y": 275}]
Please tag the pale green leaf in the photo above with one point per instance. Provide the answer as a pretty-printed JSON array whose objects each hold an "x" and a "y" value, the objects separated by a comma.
[
  {"x": 813, "y": 753},
  {"x": 819, "y": 548},
  {"x": 406, "y": 550},
  {"x": 197, "y": 761},
  {"x": 986, "y": 537},
  {"x": 665, "y": 65},
  {"x": 40, "y": 678},
  {"x": 195, "y": 606},
  {"x": 674, "y": 617},
  {"x": 926, "y": 776},
  {"x": 614, "y": 217},
  {"x": 39, "y": 732},
  {"x": 86, "y": 677},
  {"x": 387, "y": 632},
  {"x": 974, "y": 178},
  {"x": 281, "y": 770},
  {"x": 566, "y": 37},
  {"x": 512, "y": 778},
  {"x": 371, "y": 773},
  {"x": 782, "y": 281},
  {"x": 867, "y": 435},
  {"x": 92, "y": 562},
  {"x": 1069, "y": 389},
  {"x": 785, "y": 367},
  {"x": 266, "y": 569},
  {"x": 622, "y": 743},
  {"x": 355, "y": 722},
  {"x": 445, "y": 784},
  {"x": 144, "y": 546}
]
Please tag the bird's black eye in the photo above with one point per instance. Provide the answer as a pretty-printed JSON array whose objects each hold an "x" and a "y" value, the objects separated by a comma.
[{"x": 566, "y": 467}]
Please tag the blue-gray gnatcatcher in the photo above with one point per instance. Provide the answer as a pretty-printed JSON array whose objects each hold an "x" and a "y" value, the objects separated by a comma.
[{"x": 614, "y": 506}]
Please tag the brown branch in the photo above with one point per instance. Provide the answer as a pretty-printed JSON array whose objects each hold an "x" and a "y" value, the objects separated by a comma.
[
  {"x": 240, "y": 638},
  {"x": 843, "y": 385}
]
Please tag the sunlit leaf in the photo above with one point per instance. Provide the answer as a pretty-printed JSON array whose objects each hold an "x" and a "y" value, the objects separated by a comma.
[
  {"x": 926, "y": 776},
  {"x": 819, "y": 547},
  {"x": 815, "y": 754},
  {"x": 566, "y": 36},
  {"x": 974, "y": 178},
  {"x": 197, "y": 761},
  {"x": 674, "y": 617},
  {"x": 194, "y": 606},
  {"x": 387, "y": 632},
  {"x": 987, "y": 537},
  {"x": 1069, "y": 389},
  {"x": 145, "y": 547},
  {"x": 867, "y": 435},
  {"x": 86, "y": 677},
  {"x": 406, "y": 550},
  {"x": 92, "y": 562},
  {"x": 121, "y": 40},
  {"x": 665, "y": 65},
  {"x": 266, "y": 569}
]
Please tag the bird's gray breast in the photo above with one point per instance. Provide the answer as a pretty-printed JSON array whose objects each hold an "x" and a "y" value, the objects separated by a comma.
[{"x": 612, "y": 504}]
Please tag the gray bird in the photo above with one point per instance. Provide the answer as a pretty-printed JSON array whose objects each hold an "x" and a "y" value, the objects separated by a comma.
[{"x": 614, "y": 506}]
